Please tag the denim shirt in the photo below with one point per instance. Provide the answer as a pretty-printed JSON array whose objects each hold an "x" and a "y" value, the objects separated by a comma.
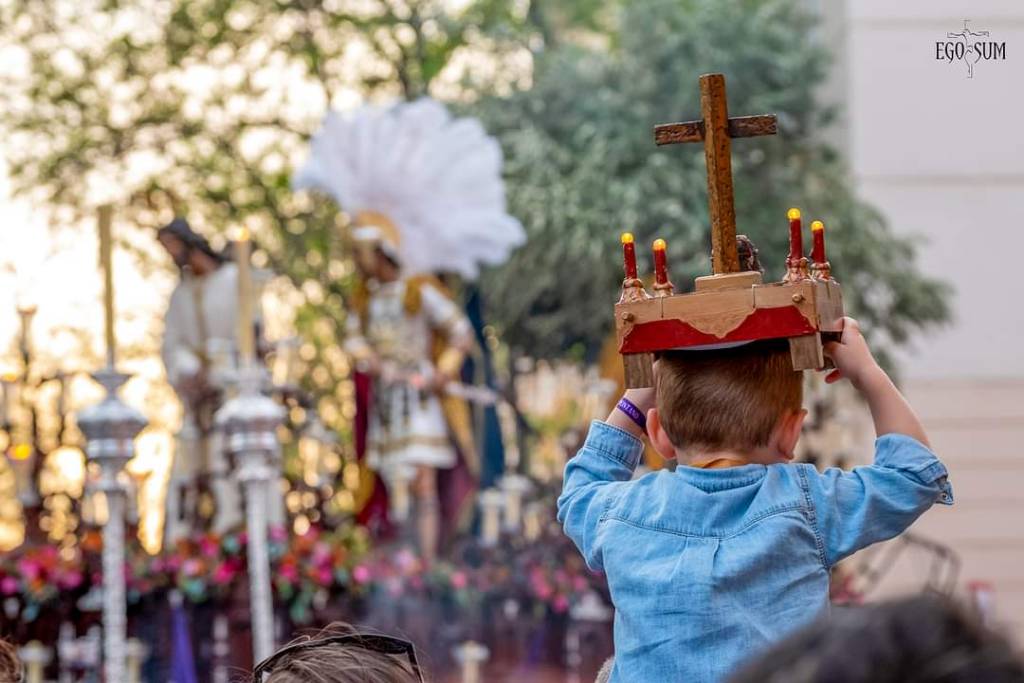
[{"x": 707, "y": 567}]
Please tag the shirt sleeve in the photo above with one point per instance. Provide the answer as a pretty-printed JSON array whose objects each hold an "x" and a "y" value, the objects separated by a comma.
[
  {"x": 592, "y": 479},
  {"x": 853, "y": 509}
]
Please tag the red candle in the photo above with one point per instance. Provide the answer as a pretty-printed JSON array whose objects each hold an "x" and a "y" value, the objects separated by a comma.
[
  {"x": 629, "y": 255},
  {"x": 796, "y": 238},
  {"x": 660, "y": 266},
  {"x": 818, "y": 249}
]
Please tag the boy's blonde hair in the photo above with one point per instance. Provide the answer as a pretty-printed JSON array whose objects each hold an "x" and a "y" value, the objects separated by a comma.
[{"x": 727, "y": 399}]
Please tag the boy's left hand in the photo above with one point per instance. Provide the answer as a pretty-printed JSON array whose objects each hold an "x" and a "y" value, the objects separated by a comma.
[{"x": 644, "y": 399}]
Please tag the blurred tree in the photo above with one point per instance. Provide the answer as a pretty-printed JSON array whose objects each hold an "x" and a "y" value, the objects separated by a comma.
[
  {"x": 202, "y": 108},
  {"x": 582, "y": 167}
]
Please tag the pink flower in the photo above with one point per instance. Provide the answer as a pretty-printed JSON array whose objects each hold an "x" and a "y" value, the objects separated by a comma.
[
  {"x": 561, "y": 604},
  {"x": 321, "y": 553},
  {"x": 278, "y": 533},
  {"x": 459, "y": 580},
  {"x": 579, "y": 584},
  {"x": 70, "y": 579},
  {"x": 29, "y": 569},
  {"x": 405, "y": 560},
  {"x": 361, "y": 574},
  {"x": 324, "y": 576},
  {"x": 289, "y": 572},
  {"x": 8, "y": 585},
  {"x": 223, "y": 574},
  {"x": 208, "y": 547},
  {"x": 192, "y": 567}
]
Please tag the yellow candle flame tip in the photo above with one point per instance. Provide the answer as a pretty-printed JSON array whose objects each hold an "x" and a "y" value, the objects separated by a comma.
[
  {"x": 793, "y": 214},
  {"x": 627, "y": 238},
  {"x": 241, "y": 234},
  {"x": 817, "y": 225},
  {"x": 659, "y": 244},
  {"x": 21, "y": 451}
]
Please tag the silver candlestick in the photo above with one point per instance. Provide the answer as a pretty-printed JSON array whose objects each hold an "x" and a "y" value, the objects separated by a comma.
[
  {"x": 490, "y": 501},
  {"x": 137, "y": 652},
  {"x": 249, "y": 422},
  {"x": 35, "y": 656},
  {"x": 471, "y": 656},
  {"x": 514, "y": 487},
  {"x": 110, "y": 428}
]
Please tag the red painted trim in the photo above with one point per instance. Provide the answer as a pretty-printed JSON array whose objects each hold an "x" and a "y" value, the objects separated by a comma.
[{"x": 763, "y": 323}]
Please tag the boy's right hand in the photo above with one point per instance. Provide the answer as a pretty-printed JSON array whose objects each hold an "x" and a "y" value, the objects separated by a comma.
[
  {"x": 889, "y": 410},
  {"x": 851, "y": 356}
]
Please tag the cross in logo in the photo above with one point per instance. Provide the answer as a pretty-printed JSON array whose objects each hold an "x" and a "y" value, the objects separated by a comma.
[{"x": 968, "y": 52}]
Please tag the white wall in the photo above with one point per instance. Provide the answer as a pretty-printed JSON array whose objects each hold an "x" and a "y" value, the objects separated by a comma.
[{"x": 943, "y": 157}]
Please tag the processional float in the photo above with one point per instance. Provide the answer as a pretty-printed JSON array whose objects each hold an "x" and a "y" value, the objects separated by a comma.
[{"x": 733, "y": 305}]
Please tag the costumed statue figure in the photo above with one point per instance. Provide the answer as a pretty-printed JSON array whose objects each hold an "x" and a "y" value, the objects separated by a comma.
[
  {"x": 425, "y": 196},
  {"x": 199, "y": 352}
]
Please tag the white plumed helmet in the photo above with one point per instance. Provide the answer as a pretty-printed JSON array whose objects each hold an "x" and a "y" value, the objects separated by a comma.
[{"x": 424, "y": 186}]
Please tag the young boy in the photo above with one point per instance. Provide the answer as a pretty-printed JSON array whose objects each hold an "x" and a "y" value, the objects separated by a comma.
[{"x": 712, "y": 562}]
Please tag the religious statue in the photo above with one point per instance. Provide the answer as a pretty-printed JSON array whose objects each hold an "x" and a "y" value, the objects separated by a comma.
[
  {"x": 199, "y": 350},
  {"x": 425, "y": 196}
]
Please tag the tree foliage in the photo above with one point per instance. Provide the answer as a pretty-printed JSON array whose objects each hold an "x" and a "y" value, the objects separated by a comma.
[
  {"x": 203, "y": 107},
  {"x": 582, "y": 167}
]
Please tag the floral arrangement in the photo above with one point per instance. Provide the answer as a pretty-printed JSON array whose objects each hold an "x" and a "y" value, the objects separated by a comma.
[
  {"x": 308, "y": 571},
  {"x": 545, "y": 574},
  {"x": 203, "y": 567},
  {"x": 40, "y": 575}
]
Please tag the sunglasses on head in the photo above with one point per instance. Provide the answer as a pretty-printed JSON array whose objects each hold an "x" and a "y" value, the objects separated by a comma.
[{"x": 375, "y": 643}]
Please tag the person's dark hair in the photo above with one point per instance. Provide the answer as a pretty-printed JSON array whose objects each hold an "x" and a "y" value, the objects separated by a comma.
[
  {"x": 10, "y": 666},
  {"x": 342, "y": 663},
  {"x": 182, "y": 231},
  {"x": 924, "y": 639}
]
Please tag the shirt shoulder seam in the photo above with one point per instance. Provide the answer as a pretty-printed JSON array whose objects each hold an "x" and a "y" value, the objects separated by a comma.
[
  {"x": 812, "y": 515},
  {"x": 770, "y": 512}
]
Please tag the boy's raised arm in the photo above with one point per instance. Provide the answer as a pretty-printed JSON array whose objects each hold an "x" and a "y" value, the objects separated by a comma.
[
  {"x": 875, "y": 503},
  {"x": 592, "y": 478}
]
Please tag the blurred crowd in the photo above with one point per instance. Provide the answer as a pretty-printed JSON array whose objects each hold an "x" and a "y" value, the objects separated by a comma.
[{"x": 920, "y": 639}]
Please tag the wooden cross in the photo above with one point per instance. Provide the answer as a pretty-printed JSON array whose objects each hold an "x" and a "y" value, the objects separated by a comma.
[{"x": 715, "y": 128}]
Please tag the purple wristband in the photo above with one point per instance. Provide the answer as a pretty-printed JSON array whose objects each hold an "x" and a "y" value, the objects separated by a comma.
[{"x": 633, "y": 413}]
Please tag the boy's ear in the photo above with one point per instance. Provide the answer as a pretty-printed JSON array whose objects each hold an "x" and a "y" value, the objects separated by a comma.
[
  {"x": 659, "y": 439},
  {"x": 788, "y": 431}
]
